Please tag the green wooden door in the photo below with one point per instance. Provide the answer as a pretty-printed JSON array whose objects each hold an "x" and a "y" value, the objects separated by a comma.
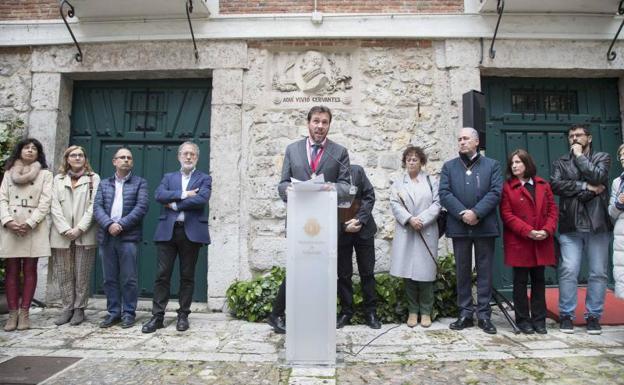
[
  {"x": 152, "y": 118},
  {"x": 535, "y": 114}
]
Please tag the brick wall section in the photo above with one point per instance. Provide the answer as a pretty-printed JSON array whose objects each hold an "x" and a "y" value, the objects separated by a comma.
[
  {"x": 341, "y": 6},
  {"x": 49, "y": 9},
  {"x": 386, "y": 43},
  {"x": 29, "y": 9}
]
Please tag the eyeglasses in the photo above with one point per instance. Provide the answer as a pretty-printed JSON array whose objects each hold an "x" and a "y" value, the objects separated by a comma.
[
  {"x": 579, "y": 135},
  {"x": 76, "y": 156},
  {"x": 124, "y": 157}
]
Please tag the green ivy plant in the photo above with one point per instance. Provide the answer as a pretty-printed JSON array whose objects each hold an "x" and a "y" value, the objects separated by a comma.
[
  {"x": 10, "y": 133},
  {"x": 252, "y": 300}
]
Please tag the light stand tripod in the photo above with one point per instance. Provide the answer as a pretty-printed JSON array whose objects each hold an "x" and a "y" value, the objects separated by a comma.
[{"x": 499, "y": 299}]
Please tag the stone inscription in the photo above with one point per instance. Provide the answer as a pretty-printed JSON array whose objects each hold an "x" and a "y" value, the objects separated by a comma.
[{"x": 311, "y": 77}]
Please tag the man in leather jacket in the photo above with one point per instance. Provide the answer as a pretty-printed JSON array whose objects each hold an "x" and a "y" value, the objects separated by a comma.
[{"x": 580, "y": 179}]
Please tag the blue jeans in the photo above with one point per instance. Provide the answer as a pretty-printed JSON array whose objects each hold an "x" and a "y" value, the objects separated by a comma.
[
  {"x": 574, "y": 246},
  {"x": 119, "y": 264}
]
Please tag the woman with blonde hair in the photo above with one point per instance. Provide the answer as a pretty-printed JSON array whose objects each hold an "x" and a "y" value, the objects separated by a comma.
[
  {"x": 73, "y": 237},
  {"x": 25, "y": 195}
]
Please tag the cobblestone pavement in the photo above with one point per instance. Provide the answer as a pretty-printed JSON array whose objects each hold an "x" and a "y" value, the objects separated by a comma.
[{"x": 221, "y": 350}]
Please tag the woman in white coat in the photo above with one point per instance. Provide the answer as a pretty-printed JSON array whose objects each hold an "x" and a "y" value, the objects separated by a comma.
[
  {"x": 415, "y": 206},
  {"x": 25, "y": 196},
  {"x": 73, "y": 236},
  {"x": 616, "y": 211}
]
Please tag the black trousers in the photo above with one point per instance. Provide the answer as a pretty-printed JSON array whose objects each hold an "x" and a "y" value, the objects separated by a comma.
[
  {"x": 484, "y": 254},
  {"x": 538, "y": 295},
  {"x": 188, "y": 251},
  {"x": 279, "y": 303},
  {"x": 365, "y": 257}
]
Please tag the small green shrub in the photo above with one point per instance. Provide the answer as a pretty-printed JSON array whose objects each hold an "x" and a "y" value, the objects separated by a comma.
[
  {"x": 252, "y": 300},
  {"x": 9, "y": 135}
]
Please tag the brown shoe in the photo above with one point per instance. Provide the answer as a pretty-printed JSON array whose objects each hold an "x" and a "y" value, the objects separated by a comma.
[
  {"x": 425, "y": 320},
  {"x": 412, "y": 320},
  {"x": 23, "y": 320},
  {"x": 11, "y": 323}
]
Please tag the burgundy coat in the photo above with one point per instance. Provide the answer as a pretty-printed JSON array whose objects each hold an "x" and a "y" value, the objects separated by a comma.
[{"x": 521, "y": 214}]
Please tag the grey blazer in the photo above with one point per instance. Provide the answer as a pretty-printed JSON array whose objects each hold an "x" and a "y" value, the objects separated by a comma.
[{"x": 296, "y": 166}]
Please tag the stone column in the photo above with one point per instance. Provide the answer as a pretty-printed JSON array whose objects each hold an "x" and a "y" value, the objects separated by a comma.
[
  {"x": 226, "y": 149},
  {"x": 49, "y": 122}
]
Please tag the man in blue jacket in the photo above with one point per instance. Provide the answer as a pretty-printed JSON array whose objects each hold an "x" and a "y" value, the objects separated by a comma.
[
  {"x": 120, "y": 204},
  {"x": 182, "y": 230},
  {"x": 470, "y": 190}
]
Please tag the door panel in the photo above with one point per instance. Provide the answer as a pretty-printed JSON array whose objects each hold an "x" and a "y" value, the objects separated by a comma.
[
  {"x": 151, "y": 118},
  {"x": 534, "y": 114}
]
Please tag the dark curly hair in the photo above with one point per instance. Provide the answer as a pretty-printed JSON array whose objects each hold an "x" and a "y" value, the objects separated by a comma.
[
  {"x": 17, "y": 153},
  {"x": 414, "y": 150}
]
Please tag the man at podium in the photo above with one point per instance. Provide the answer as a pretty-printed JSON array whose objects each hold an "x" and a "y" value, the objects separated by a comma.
[{"x": 305, "y": 159}]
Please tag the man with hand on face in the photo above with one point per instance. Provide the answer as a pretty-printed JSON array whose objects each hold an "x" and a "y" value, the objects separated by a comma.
[
  {"x": 182, "y": 230},
  {"x": 580, "y": 179},
  {"x": 470, "y": 190},
  {"x": 304, "y": 159},
  {"x": 120, "y": 204}
]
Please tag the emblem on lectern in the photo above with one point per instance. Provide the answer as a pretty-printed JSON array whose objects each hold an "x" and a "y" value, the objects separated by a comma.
[{"x": 312, "y": 227}]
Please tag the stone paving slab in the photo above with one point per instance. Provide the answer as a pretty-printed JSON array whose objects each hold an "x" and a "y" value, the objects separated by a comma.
[{"x": 221, "y": 350}]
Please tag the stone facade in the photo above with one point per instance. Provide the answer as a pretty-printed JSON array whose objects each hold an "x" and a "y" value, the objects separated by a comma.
[
  {"x": 389, "y": 93},
  {"x": 15, "y": 83},
  {"x": 399, "y": 94}
]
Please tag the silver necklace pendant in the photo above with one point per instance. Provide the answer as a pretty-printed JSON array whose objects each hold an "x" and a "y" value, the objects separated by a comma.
[{"x": 468, "y": 172}]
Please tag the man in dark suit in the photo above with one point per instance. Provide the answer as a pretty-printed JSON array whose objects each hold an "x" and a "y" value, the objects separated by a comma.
[
  {"x": 120, "y": 204},
  {"x": 182, "y": 230},
  {"x": 470, "y": 190},
  {"x": 304, "y": 159},
  {"x": 357, "y": 231}
]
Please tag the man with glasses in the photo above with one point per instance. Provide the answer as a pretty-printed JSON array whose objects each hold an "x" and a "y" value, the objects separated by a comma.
[
  {"x": 580, "y": 179},
  {"x": 181, "y": 231},
  {"x": 120, "y": 204}
]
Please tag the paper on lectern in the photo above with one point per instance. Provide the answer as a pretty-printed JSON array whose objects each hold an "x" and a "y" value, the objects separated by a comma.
[{"x": 315, "y": 184}]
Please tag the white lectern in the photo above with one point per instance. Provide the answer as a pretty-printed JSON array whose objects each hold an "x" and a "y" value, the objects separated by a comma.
[{"x": 311, "y": 278}]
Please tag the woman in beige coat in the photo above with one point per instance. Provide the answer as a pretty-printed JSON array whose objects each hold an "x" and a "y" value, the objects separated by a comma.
[
  {"x": 25, "y": 196},
  {"x": 73, "y": 236}
]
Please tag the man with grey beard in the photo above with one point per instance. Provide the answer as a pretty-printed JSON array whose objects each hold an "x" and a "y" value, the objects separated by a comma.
[{"x": 182, "y": 230}]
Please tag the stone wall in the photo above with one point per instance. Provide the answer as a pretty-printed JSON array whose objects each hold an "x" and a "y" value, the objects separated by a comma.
[
  {"x": 402, "y": 96},
  {"x": 15, "y": 83}
]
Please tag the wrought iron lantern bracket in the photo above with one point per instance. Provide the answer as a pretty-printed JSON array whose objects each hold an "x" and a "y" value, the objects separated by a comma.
[
  {"x": 500, "y": 7},
  {"x": 611, "y": 55},
  {"x": 70, "y": 14},
  {"x": 189, "y": 10}
]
